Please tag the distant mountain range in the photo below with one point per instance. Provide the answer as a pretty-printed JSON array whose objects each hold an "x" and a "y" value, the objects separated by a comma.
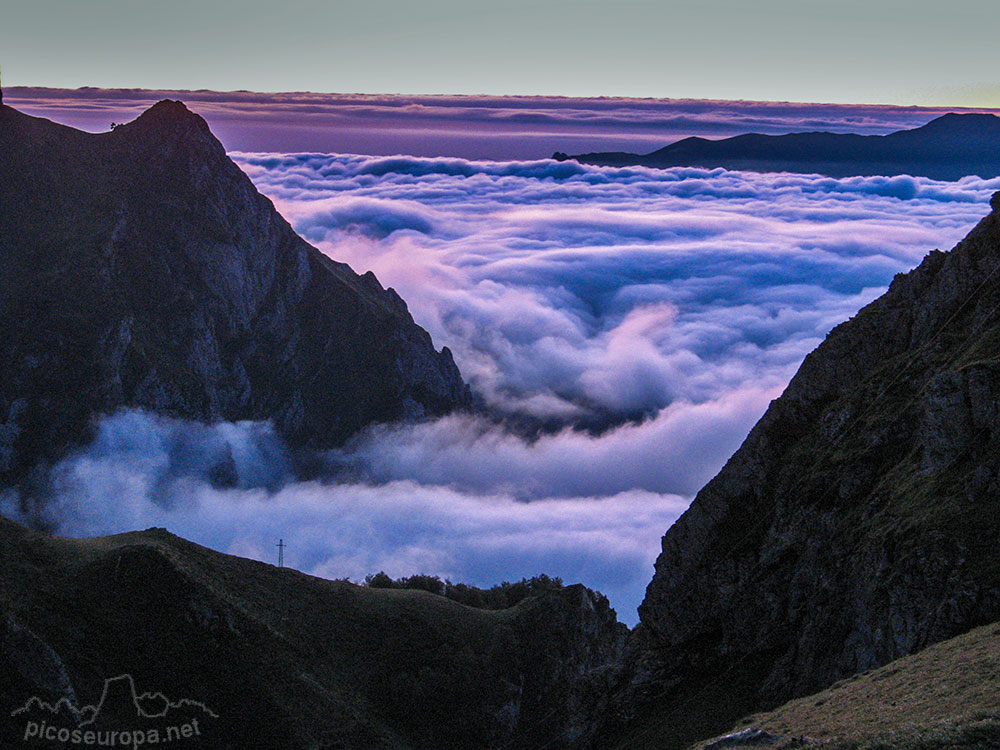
[
  {"x": 947, "y": 148},
  {"x": 141, "y": 268}
]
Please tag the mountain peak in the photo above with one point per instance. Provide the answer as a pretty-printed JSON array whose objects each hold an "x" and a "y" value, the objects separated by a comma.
[
  {"x": 158, "y": 258},
  {"x": 963, "y": 123},
  {"x": 168, "y": 116},
  {"x": 169, "y": 108},
  {"x": 980, "y": 117}
]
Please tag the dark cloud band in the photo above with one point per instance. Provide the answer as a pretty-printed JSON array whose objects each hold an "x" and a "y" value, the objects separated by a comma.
[{"x": 513, "y": 127}]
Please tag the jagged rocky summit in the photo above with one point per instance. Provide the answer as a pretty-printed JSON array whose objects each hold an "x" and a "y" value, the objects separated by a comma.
[
  {"x": 857, "y": 523},
  {"x": 141, "y": 268}
]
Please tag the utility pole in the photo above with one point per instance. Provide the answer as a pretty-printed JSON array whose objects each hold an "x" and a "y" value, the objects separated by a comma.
[{"x": 281, "y": 553}]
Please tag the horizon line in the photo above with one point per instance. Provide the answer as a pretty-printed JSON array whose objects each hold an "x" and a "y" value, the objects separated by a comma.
[{"x": 508, "y": 96}]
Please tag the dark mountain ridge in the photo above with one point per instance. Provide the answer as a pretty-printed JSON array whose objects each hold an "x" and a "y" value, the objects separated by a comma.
[
  {"x": 855, "y": 525},
  {"x": 947, "y": 148},
  {"x": 141, "y": 268},
  {"x": 270, "y": 658}
]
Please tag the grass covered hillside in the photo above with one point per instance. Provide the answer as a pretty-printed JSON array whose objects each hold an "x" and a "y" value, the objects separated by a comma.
[
  {"x": 288, "y": 660},
  {"x": 946, "y": 696}
]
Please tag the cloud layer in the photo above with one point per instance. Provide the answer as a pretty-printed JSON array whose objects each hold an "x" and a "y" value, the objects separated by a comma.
[
  {"x": 145, "y": 471},
  {"x": 658, "y": 309},
  {"x": 577, "y": 293}
]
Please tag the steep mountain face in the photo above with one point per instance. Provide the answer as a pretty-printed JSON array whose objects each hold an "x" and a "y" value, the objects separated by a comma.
[
  {"x": 141, "y": 268},
  {"x": 282, "y": 659},
  {"x": 947, "y": 148},
  {"x": 856, "y": 524}
]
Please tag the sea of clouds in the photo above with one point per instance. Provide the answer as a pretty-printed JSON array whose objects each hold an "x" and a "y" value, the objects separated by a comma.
[
  {"x": 634, "y": 322},
  {"x": 644, "y": 318}
]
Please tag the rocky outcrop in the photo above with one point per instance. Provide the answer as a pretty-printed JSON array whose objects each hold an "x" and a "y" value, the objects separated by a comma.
[
  {"x": 141, "y": 268},
  {"x": 573, "y": 655},
  {"x": 857, "y": 522}
]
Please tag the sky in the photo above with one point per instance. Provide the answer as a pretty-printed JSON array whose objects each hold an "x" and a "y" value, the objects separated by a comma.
[{"x": 852, "y": 51}]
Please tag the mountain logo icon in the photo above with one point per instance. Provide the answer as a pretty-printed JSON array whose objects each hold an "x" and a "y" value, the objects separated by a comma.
[{"x": 122, "y": 718}]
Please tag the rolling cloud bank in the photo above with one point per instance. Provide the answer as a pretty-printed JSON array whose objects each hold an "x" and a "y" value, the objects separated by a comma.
[{"x": 644, "y": 317}]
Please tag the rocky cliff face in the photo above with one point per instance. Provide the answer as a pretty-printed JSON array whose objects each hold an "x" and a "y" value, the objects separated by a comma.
[
  {"x": 141, "y": 268},
  {"x": 573, "y": 656},
  {"x": 858, "y": 521}
]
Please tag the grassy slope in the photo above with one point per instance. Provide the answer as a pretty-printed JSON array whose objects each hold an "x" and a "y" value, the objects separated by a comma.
[
  {"x": 948, "y": 695},
  {"x": 330, "y": 664}
]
